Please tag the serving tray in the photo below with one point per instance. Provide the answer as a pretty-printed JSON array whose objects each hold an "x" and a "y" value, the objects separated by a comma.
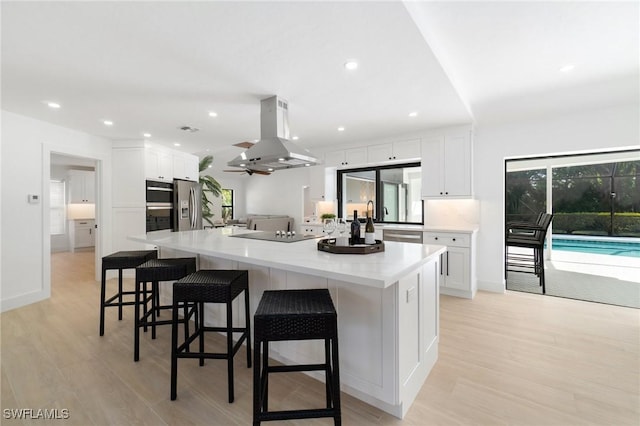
[{"x": 329, "y": 245}]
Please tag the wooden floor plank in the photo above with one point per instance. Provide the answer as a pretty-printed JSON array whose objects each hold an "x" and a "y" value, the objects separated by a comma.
[{"x": 505, "y": 359}]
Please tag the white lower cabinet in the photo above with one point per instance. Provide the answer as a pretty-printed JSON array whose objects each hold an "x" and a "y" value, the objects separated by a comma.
[
  {"x": 457, "y": 265},
  {"x": 82, "y": 233},
  {"x": 311, "y": 229}
]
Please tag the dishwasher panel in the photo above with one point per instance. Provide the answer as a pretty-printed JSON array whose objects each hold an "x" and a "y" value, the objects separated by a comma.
[{"x": 403, "y": 236}]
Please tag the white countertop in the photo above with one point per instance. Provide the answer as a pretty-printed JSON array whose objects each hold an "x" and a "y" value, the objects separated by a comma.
[
  {"x": 464, "y": 229},
  {"x": 427, "y": 228},
  {"x": 378, "y": 270}
]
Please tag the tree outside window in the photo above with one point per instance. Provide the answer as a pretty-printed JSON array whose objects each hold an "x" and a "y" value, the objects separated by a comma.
[{"x": 227, "y": 204}]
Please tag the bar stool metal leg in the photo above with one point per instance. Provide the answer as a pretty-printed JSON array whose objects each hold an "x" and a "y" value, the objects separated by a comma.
[{"x": 102, "y": 299}]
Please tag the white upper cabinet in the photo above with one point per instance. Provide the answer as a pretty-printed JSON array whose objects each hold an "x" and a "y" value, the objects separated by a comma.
[
  {"x": 322, "y": 186},
  {"x": 82, "y": 187},
  {"x": 407, "y": 150},
  {"x": 401, "y": 150},
  {"x": 446, "y": 165},
  {"x": 127, "y": 181},
  {"x": 185, "y": 166},
  {"x": 346, "y": 157},
  {"x": 379, "y": 153},
  {"x": 158, "y": 164},
  {"x": 316, "y": 183}
]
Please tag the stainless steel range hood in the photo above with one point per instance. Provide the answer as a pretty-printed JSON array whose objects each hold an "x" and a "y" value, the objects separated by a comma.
[{"x": 274, "y": 151}]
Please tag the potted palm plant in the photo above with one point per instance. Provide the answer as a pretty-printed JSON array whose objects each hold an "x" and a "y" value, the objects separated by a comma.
[{"x": 210, "y": 187}]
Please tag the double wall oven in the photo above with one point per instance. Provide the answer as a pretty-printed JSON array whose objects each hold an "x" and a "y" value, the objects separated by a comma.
[{"x": 159, "y": 206}]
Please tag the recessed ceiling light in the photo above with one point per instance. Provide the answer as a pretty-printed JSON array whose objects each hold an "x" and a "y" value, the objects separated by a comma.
[
  {"x": 281, "y": 159},
  {"x": 270, "y": 169},
  {"x": 567, "y": 68},
  {"x": 341, "y": 129},
  {"x": 210, "y": 166},
  {"x": 108, "y": 123},
  {"x": 307, "y": 164},
  {"x": 147, "y": 135},
  {"x": 242, "y": 164},
  {"x": 351, "y": 65},
  {"x": 53, "y": 105},
  {"x": 413, "y": 114},
  {"x": 213, "y": 114},
  {"x": 295, "y": 138},
  {"x": 176, "y": 144}
]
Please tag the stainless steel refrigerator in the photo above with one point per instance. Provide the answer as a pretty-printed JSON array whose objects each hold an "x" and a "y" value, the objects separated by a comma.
[{"x": 187, "y": 205}]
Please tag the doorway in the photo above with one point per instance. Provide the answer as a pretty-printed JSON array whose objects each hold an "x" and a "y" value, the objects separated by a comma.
[
  {"x": 72, "y": 211},
  {"x": 592, "y": 249}
]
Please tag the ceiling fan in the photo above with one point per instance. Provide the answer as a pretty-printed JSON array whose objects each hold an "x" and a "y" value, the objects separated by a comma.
[{"x": 249, "y": 171}]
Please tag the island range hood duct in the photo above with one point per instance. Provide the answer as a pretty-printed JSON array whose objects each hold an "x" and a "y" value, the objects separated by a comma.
[{"x": 274, "y": 151}]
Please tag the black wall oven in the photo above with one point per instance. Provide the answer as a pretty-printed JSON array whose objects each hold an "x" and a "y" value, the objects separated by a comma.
[{"x": 159, "y": 206}]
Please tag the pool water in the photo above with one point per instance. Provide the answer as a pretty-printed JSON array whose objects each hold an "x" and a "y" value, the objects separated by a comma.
[{"x": 613, "y": 248}]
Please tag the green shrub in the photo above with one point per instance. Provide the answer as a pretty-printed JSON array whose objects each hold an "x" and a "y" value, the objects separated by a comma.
[{"x": 624, "y": 224}]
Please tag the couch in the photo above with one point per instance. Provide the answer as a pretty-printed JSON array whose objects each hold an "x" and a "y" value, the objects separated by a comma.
[{"x": 263, "y": 222}]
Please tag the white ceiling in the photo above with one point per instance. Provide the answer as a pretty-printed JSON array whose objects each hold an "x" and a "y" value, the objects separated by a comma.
[{"x": 155, "y": 66}]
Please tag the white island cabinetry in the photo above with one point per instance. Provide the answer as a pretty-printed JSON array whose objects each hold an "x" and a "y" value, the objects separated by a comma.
[{"x": 387, "y": 305}]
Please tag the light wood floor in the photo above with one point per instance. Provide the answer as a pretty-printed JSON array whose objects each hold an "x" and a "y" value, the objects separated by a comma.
[{"x": 514, "y": 358}]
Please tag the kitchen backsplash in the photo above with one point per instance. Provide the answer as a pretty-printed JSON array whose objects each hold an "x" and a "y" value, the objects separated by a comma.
[{"x": 451, "y": 212}]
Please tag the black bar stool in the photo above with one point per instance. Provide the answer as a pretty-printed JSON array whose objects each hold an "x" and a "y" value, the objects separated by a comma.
[
  {"x": 210, "y": 286},
  {"x": 120, "y": 260},
  {"x": 295, "y": 315},
  {"x": 153, "y": 271}
]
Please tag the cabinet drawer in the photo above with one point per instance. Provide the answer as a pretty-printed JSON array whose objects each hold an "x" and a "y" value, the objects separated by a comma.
[{"x": 447, "y": 239}]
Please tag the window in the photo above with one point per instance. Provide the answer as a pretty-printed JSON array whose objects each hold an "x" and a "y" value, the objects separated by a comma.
[
  {"x": 590, "y": 194},
  {"x": 57, "y": 207},
  {"x": 227, "y": 204},
  {"x": 394, "y": 190}
]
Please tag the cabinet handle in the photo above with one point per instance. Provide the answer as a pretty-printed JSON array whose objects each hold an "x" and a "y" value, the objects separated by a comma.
[
  {"x": 446, "y": 193},
  {"x": 447, "y": 263},
  {"x": 441, "y": 264},
  {"x": 436, "y": 238},
  {"x": 454, "y": 239},
  {"x": 440, "y": 193}
]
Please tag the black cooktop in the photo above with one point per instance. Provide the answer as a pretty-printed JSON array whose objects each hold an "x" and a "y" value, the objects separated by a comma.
[{"x": 271, "y": 236}]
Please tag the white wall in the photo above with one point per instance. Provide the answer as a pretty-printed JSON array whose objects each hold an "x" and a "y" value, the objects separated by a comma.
[
  {"x": 26, "y": 148},
  {"x": 598, "y": 130},
  {"x": 279, "y": 193}
]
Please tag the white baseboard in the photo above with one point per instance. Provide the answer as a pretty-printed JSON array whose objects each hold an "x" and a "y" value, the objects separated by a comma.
[
  {"x": 23, "y": 300},
  {"x": 492, "y": 286}
]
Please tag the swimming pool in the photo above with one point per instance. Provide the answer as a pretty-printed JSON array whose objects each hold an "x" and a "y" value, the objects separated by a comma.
[{"x": 611, "y": 246}]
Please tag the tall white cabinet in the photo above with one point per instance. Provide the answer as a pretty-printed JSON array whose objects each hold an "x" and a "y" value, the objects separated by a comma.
[{"x": 134, "y": 162}]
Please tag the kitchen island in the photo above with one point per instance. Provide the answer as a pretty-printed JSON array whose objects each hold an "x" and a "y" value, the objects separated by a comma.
[{"x": 387, "y": 304}]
